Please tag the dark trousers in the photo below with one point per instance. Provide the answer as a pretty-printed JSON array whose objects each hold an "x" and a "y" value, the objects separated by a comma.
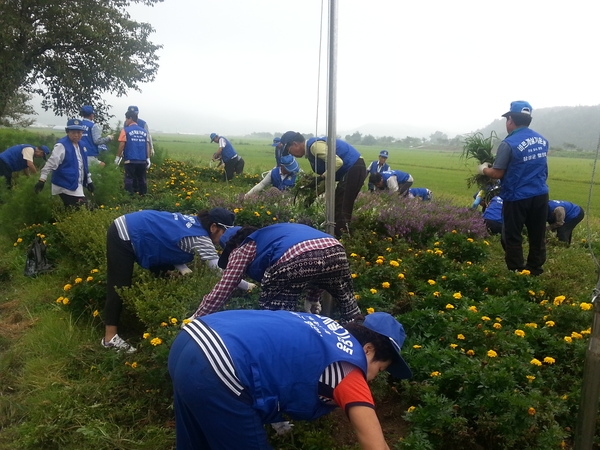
[
  {"x": 234, "y": 166},
  {"x": 71, "y": 200},
  {"x": 565, "y": 233},
  {"x": 6, "y": 172},
  {"x": 493, "y": 226},
  {"x": 532, "y": 213},
  {"x": 120, "y": 259},
  {"x": 345, "y": 195},
  {"x": 135, "y": 178}
]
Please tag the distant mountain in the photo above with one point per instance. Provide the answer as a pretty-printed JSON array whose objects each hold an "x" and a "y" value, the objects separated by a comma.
[{"x": 565, "y": 127}]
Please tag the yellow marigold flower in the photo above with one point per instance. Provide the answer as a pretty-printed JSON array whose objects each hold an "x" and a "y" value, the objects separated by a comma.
[
  {"x": 473, "y": 308},
  {"x": 438, "y": 252},
  {"x": 544, "y": 302},
  {"x": 401, "y": 276},
  {"x": 550, "y": 323},
  {"x": 59, "y": 299},
  {"x": 164, "y": 324},
  {"x": 530, "y": 378},
  {"x": 236, "y": 210},
  {"x": 353, "y": 255},
  {"x": 15, "y": 244},
  {"x": 357, "y": 297},
  {"x": 576, "y": 335},
  {"x": 568, "y": 339},
  {"x": 146, "y": 335},
  {"x": 88, "y": 279},
  {"x": 469, "y": 239},
  {"x": 417, "y": 346},
  {"x": 457, "y": 295},
  {"x": 431, "y": 282},
  {"x": 156, "y": 341},
  {"x": 65, "y": 301},
  {"x": 385, "y": 285},
  {"x": 532, "y": 293},
  {"x": 497, "y": 325},
  {"x": 394, "y": 263},
  {"x": 173, "y": 320},
  {"x": 411, "y": 409},
  {"x": 558, "y": 300},
  {"x": 66, "y": 287},
  {"x": 564, "y": 397},
  {"x": 449, "y": 306},
  {"x": 373, "y": 291},
  {"x": 520, "y": 333},
  {"x": 453, "y": 345},
  {"x": 96, "y": 313},
  {"x": 470, "y": 352},
  {"x": 541, "y": 293},
  {"x": 379, "y": 262},
  {"x": 531, "y": 325},
  {"x": 531, "y": 411},
  {"x": 461, "y": 337},
  {"x": 389, "y": 249},
  {"x": 549, "y": 360},
  {"x": 19, "y": 240},
  {"x": 486, "y": 242},
  {"x": 354, "y": 275},
  {"x": 492, "y": 354},
  {"x": 412, "y": 294},
  {"x": 585, "y": 306},
  {"x": 134, "y": 365},
  {"x": 257, "y": 214},
  {"x": 454, "y": 231},
  {"x": 370, "y": 310},
  {"x": 535, "y": 362},
  {"x": 437, "y": 294},
  {"x": 588, "y": 331},
  {"x": 186, "y": 321},
  {"x": 435, "y": 374},
  {"x": 485, "y": 318},
  {"x": 177, "y": 204}
]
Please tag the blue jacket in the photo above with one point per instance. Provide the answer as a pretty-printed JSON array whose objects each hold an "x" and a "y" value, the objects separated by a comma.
[
  {"x": 527, "y": 172},
  {"x": 374, "y": 167},
  {"x": 86, "y": 140},
  {"x": 13, "y": 157},
  {"x": 424, "y": 193},
  {"x": 494, "y": 210},
  {"x": 228, "y": 151},
  {"x": 279, "y": 357},
  {"x": 155, "y": 236},
  {"x": 348, "y": 154},
  {"x": 66, "y": 175},
  {"x": 279, "y": 182},
  {"x": 273, "y": 241},
  {"x": 402, "y": 177},
  {"x": 136, "y": 144},
  {"x": 571, "y": 210}
]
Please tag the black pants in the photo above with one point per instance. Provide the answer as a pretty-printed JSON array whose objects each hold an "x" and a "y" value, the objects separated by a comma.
[
  {"x": 345, "y": 195},
  {"x": 234, "y": 165},
  {"x": 565, "y": 233},
  {"x": 493, "y": 226},
  {"x": 6, "y": 172},
  {"x": 532, "y": 213},
  {"x": 120, "y": 259},
  {"x": 135, "y": 178}
]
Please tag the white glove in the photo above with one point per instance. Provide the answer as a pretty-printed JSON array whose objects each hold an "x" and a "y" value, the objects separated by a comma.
[
  {"x": 118, "y": 160},
  {"x": 282, "y": 427},
  {"x": 312, "y": 307},
  {"x": 148, "y": 163},
  {"x": 483, "y": 166},
  {"x": 185, "y": 270},
  {"x": 251, "y": 287}
]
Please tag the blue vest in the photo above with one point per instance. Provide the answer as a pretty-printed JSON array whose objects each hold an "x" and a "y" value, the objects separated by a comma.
[
  {"x": 86, "y": 140},
  {"x": 136, "y": 144},
  {"x": 281, "y": 183},
  {"x": 374, "y": 167},
  {"x": 66, "y": 175},
  {"x": 13, "y": 157},
  {"x": 494, "y": 210},
  {"x": 273, "y": 241},
  {"x": 155, "y": 236},
  {"x": 141, "y": 123},
  {"x": 348, "y": 154},
  {"x": 571, "y": 210},
  {"x": 527, "y": 170},
  {"x": 424, "y": 193},
  {"x": 279, "y": 357},
  {"x": 402, "y": 177},
  {"x": 228, "y": 151}
]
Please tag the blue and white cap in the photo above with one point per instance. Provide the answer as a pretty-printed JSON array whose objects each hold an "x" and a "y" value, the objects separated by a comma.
[
  {"x": 289, "y": 163},
  {"x": 74, "y": 125},
  {"x": 519, "y": 107}
]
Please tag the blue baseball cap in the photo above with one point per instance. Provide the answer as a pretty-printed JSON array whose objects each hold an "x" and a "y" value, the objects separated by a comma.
[
  {"x": 229, "y": 232},
  {"x": 133, "y": 109},
  {"x": 74, "y": 125},
  {"x": 276, "y": 142},
  {"x": 384, "y": 153},
  {"x": 289, "y": 163},
  {"x": 386, "y": 325},
  {"x": 86, "y": 110},
  {"x": 519, "y": 107},
  {"x": 213, "y": 136}
]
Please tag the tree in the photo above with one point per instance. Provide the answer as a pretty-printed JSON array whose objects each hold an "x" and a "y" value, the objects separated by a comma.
[
  {"x": 70, "y": 53},
  {"x": 17, "y": 108},
  {"x": 355, "y": 138}
]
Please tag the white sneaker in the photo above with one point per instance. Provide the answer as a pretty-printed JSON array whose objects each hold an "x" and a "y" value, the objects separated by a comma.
[{"x": 118, "y": 344}]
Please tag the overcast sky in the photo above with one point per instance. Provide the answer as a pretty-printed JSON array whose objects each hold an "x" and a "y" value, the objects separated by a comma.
[{"x": 234, "y": 66}]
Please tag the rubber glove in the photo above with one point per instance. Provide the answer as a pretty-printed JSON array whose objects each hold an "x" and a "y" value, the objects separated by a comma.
[{"x": 483, "y": 166}]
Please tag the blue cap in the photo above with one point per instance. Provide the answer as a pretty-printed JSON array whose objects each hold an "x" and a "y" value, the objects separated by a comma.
[
  {"x": 229, "y": 232},
  {"x": 385, "y": 324},
  {"x": 384, "y": 153},
  {"x": 213, "y": 136},
  {"x": 133, "y": 109},
  {"x": 74, "y": 124},
  {"x": 519, "y": 107},
  {"x": 86, "y": 110},
  {"x": 45, "y": 149},
  {"x": 276, "y": 142},
  {"x": 289, "y": 163}
]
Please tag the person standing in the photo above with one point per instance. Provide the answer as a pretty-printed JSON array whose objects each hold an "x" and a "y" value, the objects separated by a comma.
[
  {"x": 233, "y": 163},
  {"x": 522, "y": 165},
  {"x": 393, "y": 180},
  {"x": 235, "y": 371},
  {"x": 134, "y": 112},
  {"x": 378, "y": 166},
  {"x": 134, "y": 149},
  {"x": 282, "y": 177},
  {"x": 92, "y": 138},
  {"x": 563, "y": 217},
  {"x": 69, "y": 167},
  {"x": 20, "y": 158},
  {"x": 350, "y": 171}
]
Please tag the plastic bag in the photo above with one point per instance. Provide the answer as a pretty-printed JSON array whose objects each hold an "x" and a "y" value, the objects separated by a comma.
[{"x": 37, "y": 262}]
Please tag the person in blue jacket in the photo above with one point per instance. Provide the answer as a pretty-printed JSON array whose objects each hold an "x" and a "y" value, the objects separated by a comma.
[
  {"x": 288, "y": 259},
  {"x": 378, "y": 166},
  {"x": 281, "y": 177},
  {"x": 235, "y": 371},
  {"x": 492, "y": 214},
  {"x": 20, "y": 158},
  {"x": 563, "y": 217},
  {"x": 232, "y": 162},
  {"x": 159, "y": 241},
  {"x": 522, "y": 165},
  {"x": 134, "y": 150},
  {"x": 392, "y": 180},
  {"x": 422, "y": 193},
  {"x": 92, "y": 138},
  {"x": 68, "y": 164},
  {"x": 350, "y": 171},
  {"x": 278, "y": 150},
  {"x": 134, "y": 113}
]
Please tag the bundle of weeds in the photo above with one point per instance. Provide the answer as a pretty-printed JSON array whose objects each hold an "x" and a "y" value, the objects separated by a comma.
[
  {"x": 307, "y": 189},
  {"x": 479, "y": 148}
]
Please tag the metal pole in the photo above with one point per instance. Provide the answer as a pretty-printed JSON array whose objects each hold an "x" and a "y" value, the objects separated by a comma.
[
  {"x": 331, "y": 133},
  {"x": 590, "y": 391}
]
